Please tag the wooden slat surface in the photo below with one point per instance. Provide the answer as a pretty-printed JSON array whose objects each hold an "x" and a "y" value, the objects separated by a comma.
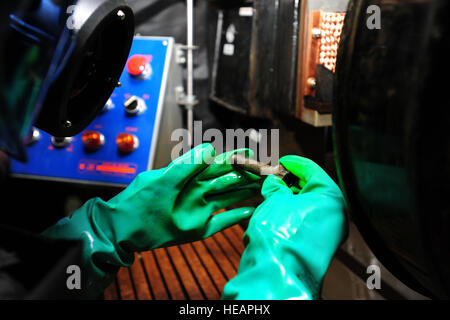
[
  {"x": 139, "y": 279},
  {"x": 157, "y": 285},
  {"x": 211, "y": 266},
  {"x": 173, "y": 284},
  {"x": 125, "y": 285},
  {"x": 193, "y": 271},
  {"x": 220, "y": 258},
  {"x": 208, "y": 287},
  {"x": 228, "y": 250}
]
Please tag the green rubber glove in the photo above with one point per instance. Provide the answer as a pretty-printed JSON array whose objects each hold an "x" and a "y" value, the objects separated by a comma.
[
  {"x": 159, "y": 208},
  {"x": 291, "y": 237}
]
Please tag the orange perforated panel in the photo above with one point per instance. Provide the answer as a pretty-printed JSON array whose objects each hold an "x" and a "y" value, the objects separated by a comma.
[
  {"x": 331, "y": 24},
  {"x": 323, "y": 36}
]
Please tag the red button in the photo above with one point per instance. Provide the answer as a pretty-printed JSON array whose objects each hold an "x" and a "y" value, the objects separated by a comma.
[
  {"x": 93, "y": 140},
  {"x": 137, "y": 65},
  {"x": 127, "y": 142}
]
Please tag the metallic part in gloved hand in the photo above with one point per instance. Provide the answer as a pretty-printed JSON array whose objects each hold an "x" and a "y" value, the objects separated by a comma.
[
  {"x": 159, "y": 208},
  {"x": 291, "y": 238},
  {"x": 259, "y": 168},
  {"x": 262, "y": 169}
]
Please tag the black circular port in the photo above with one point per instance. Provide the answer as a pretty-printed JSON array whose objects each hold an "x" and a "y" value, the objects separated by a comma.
[{"x": 93, "y": 70}]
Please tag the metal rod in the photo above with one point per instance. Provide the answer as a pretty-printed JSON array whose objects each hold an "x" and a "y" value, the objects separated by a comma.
[
  {"x": 190, "y": 70},
  {"x": 257, "y": 167},
  {"x": 262, "y": 170},
  {"x": 190, "y": 124}
]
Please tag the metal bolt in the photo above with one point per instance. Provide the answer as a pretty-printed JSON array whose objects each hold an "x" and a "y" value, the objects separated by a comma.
[
  {"x": 118, "y": 84},
  {"x": 67, "y": 124},
  {"x": 316, "y": 33},
  {"x": 121, "y": 15},
  {"x": 311, "y": 83}
]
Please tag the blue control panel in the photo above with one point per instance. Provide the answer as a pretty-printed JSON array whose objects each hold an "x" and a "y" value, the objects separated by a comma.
[{"x": 122, "y": 140}]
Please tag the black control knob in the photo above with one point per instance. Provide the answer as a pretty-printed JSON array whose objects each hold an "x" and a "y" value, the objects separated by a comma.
[
  {"x": 61, "y": 142},
  {"x": 135, "y": 105}
]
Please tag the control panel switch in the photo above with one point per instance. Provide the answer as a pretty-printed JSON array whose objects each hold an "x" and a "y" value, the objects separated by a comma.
[
  {"x": 34, "y": 137},
  {"x": 108, "y": 106},
  {"x": 135, "y": 106},
  {"x": 61, "y": 142}
]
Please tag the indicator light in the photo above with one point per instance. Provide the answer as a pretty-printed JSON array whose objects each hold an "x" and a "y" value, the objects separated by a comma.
[
  {"x": 127, "y": 142},
  {"x": 116, "y": 169},
  {"x": 93, "y": 140},
  {"x": 138, "y": 66}
]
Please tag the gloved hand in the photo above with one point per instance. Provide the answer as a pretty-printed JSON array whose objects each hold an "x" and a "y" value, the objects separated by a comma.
[
  {"x": 159, "y": 208},
  {"x": 292, "y": 236}
]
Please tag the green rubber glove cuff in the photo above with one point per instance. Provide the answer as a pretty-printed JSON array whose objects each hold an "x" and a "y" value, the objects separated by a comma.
[
  {"x": 102, "y": 253},
  {"x": 291, "y": 237}
]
